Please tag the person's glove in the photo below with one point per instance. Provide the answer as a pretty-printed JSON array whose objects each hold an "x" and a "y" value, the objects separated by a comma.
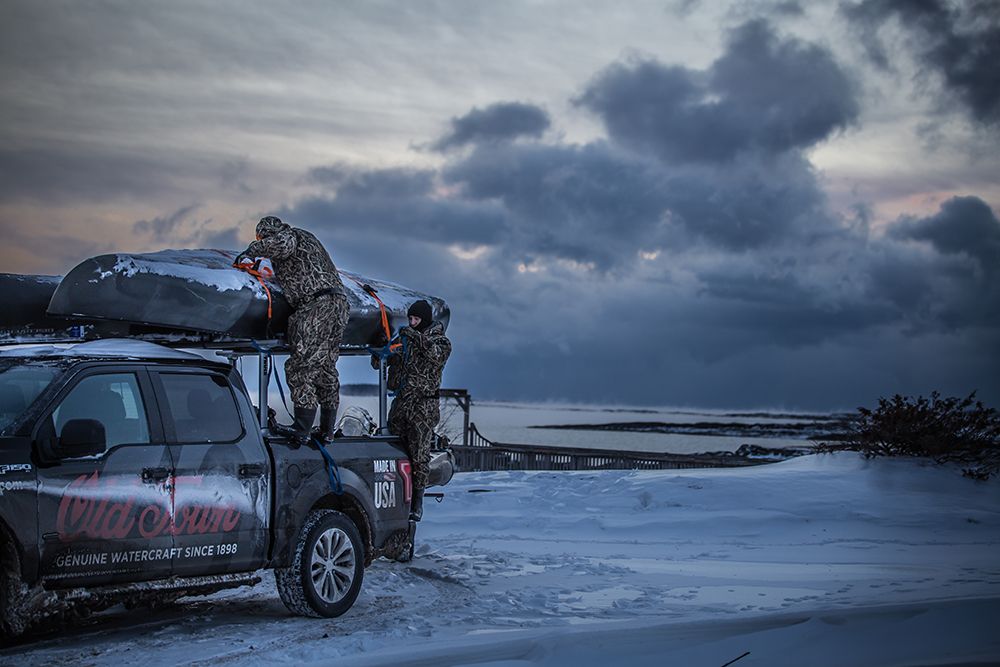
[
  {"x": 409, "y": 332},
  {"x": 378, "y": 338},
  {"x": 242, "y": 259}
]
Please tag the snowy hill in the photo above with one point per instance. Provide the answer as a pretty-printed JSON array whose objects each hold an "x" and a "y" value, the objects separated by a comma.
[{"x": 821, "y": 560}]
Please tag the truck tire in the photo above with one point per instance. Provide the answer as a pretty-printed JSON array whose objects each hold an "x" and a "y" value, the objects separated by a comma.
[
  {"x": 328, "y": 567},
  {"x": 12, "y": 622}
]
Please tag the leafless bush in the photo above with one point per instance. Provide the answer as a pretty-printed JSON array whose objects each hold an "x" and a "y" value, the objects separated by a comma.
[{"x": 945, "y": 429}]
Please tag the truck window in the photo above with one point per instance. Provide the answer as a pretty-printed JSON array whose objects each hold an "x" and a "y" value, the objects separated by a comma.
[
  {"x": 19, "y": 387},
  {"x": 202, "y": 407},
  {"x": 112, "y": 399}
]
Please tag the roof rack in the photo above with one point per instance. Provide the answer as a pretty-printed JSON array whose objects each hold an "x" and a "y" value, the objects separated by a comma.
[
  {"x": 189, "y": 299},
  {"x": 86, "y": 333}
]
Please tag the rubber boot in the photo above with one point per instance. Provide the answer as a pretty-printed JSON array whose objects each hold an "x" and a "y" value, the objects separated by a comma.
[
  {"x": 417, "y": 506},
  {"x": 304, "y": 418},
  {"x": 327, "y": 424}
]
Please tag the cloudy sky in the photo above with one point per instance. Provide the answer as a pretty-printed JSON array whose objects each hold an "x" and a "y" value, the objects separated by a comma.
[{"x": 722, "y": 204}]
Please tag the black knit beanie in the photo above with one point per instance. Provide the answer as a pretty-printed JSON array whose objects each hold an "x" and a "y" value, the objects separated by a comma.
[{"x": 422, "y": 309}]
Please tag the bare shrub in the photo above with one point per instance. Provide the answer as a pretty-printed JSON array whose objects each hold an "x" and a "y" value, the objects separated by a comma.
[{"x": 959, "y": 430}]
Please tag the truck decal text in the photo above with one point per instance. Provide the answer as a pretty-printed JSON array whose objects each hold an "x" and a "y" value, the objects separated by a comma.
[{"x": 92, "y": 508}]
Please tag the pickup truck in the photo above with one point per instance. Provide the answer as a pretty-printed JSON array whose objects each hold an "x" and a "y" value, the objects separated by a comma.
[{"x": 135, "y": 473}]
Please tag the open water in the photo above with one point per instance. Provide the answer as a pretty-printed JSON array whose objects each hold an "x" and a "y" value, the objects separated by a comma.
[{"x": 518, "y": 422}]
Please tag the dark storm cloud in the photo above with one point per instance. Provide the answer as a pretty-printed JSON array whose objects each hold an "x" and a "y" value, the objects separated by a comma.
[
  {"x": 764, "y": 95},
  {"x": 222, "y": 239},
  {"x": 361, "y": 183},
  {"x": 937, "y": 294},
  {"x": 755, "y": 335},
  {"x": 841, "y": 375},
  {"x": 594, "y": 203},
  {"x": 694, "y": 247},
  {"x": 781, "y": 304},
  {"x": 588, "y": 204},
  {"x": 599, "y": 208},
  {"x": 166, "y": 227},
  {"x": 395, "y": 202},
  {"x": 832, "y": 319},
  {"x": 502, "y": 121},
  {"x": 791, "y": 325},
  {"x": 730, "y": 138},
  {"x": 823, "y": 300},
  {"x": 749, "y": 202},
  {"x": 180, "y": 230},
  {"x": 964, "y": 225},
  {"x": 960, "y": 42},
  {"x": 742, "y": 182},
  {"x": 848, "y": 281}
]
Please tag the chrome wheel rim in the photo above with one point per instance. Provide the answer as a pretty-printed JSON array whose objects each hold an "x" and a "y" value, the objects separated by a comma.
[{"x": 332, "y": 565}]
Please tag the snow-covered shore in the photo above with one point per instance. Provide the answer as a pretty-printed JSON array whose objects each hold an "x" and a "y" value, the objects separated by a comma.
[{"x": 820, "y": 560}]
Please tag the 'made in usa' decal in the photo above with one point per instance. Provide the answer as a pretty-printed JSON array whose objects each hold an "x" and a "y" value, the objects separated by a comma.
[{"x": 384, "y": 485}]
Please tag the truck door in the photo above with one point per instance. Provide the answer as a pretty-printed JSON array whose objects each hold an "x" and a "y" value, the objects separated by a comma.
[
  {"x": 104, "y": 515},
  {"x": 221, "y": 473}
]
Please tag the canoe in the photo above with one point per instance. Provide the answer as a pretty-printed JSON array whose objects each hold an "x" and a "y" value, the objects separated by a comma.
[{"x": 196, "y": 295}]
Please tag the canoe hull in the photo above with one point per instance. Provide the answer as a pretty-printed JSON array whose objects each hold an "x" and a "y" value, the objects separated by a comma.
[{"x": 193, "y": 295}]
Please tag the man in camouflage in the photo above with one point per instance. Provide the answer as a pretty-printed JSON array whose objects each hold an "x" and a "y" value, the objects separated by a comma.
[
  {"x": 415, "y": 376},
  {"x": 312, "y": 287}
]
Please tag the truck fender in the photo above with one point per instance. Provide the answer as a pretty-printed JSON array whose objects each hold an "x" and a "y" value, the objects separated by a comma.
[{"x": 355, "y": 500}]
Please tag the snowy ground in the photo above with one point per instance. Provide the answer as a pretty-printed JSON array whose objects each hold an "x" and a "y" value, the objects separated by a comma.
[{"x": 821, "y": 560}]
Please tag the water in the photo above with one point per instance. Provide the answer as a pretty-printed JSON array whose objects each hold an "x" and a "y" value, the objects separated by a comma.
[{"x": 513, "y": 422}]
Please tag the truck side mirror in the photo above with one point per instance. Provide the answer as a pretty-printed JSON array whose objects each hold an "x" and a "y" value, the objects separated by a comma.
[{"x": 81, "y": 437}]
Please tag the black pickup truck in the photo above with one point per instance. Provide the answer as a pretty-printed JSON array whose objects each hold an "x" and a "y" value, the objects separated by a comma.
[{"x": 135, "y": 473}]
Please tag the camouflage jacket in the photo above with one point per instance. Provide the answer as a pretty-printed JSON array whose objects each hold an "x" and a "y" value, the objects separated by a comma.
[
  {"x": 301, "y": 265},
  {"x": 415, "y": 372}
]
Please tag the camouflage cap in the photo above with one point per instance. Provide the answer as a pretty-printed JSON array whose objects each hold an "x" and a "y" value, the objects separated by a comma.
[{"x": 269, "y": 225}]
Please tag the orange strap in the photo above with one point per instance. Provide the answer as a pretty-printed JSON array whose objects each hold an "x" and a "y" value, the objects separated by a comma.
[
  {"x": 385, "y": 318},
  {"x": 368, "y": 289},
  {"x": 259, "y": 275}
]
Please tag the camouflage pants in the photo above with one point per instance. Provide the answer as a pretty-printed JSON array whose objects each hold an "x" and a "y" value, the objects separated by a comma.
[
  {"x": 413, "y": 420},
  {"x": 314, "y": 334}
]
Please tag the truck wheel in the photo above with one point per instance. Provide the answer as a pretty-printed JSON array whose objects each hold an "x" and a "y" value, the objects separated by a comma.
[{"x": 326, "y": 573}]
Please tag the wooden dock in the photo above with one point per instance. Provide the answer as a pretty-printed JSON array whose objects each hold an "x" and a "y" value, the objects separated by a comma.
[{"x": 482, "y": 454}]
